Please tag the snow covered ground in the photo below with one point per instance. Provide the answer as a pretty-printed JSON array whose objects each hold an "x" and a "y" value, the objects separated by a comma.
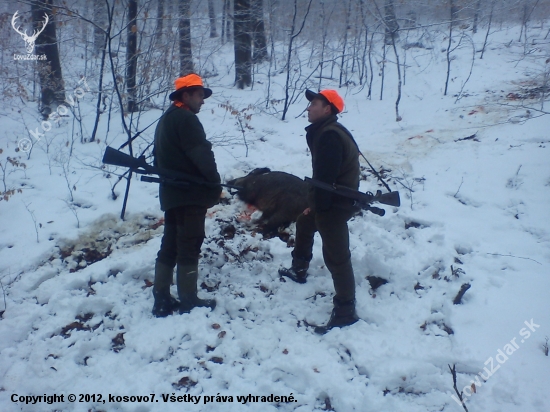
[{"x": 76, "y": 279}]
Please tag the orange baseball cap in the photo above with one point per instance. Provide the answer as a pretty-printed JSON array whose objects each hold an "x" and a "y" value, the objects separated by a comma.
[
  {"x": 331, "y": 96},
  {"x": 191, "y": 81}
]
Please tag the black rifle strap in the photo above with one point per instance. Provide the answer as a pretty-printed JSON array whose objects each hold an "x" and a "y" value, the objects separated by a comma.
[
  {"x": 371, "y": 168},
  {"x": 374, "y": 171},
  {"x": 136, "y": 135}
]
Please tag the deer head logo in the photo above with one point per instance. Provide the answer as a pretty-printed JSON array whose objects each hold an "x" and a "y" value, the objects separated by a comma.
[{"x": 29, "y": 39}]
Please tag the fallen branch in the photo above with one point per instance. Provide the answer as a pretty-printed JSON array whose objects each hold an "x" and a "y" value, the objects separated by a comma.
[
  {"x": 458, "y": 298},
  {"x": 472, "y": 137}
]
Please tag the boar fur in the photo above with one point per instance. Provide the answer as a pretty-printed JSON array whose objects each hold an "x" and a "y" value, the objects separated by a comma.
[{"x": 280, "y": 196}]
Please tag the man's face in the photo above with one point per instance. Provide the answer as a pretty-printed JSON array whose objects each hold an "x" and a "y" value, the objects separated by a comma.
[
  {"x": 317, "y": 110},
  {"x": 194, "y": 100}
]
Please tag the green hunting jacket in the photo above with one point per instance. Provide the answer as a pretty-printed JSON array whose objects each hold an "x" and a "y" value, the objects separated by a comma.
[{"x": 181, "y": 146}]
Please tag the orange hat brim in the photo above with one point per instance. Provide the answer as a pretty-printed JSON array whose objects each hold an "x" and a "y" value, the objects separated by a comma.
[
  {"x": 174, "y": 95},
  {"x": 312, "y": 95}
]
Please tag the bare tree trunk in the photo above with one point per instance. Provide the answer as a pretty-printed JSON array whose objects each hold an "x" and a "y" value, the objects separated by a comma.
[
  {"x": 454, "y": 12},
  {"x": 223, "y": 21},
  {"x": 258, "y": 31},
  {"x": 324, "y": 27},
  {"x": 383, "y": 71},
  {"x": 100, "y": 18},
  {"x": 390, "y": 21},
  {"x": 212, "y": 18},
  {"x": 106, "y": 37},
  {"x": 242, "y": 44},
  {"x": 160, "y": 23},
  {"x": 371, "y": 76},
  {"x": 526, "y": 16},
  {"x": 345, "y": 44},
  {"x": 488, "y": 29},
  {"x": 293, "y": 35},
  {"x": 226, "y": 21},
  {"x": 186, "y": 55},
  {"x": 131, "y": 56},
  {"x": 363, "y": 66},
  {"x": 476, "y": 16},
  {"x": 52, "y": 87},
  {"x": 399, "y": 82},
  {"x": 523, "y": 22}
]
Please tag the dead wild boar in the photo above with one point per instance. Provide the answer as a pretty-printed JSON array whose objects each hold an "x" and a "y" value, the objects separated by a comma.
[{"x": 280, "y": 196}]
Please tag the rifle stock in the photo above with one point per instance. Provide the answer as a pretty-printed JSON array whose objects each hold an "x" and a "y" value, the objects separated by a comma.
[
  {"x": 117, "y": 158},
  {"x": 364, "y": 199},
  {"x": 139, "y": 165}
]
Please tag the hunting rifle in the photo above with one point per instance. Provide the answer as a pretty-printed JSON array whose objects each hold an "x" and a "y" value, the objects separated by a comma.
[
  {"x": 169, "y": 177},
  {"x": 361, "y": 199}
]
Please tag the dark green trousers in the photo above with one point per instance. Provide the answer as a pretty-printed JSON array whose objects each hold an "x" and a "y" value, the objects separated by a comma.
[
  {"x": 332, "y": 225},
  {"x": 183, "y": 236}
]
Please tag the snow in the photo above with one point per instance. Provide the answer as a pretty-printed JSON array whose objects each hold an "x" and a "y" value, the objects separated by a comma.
[{"x": 71, "y": 327}]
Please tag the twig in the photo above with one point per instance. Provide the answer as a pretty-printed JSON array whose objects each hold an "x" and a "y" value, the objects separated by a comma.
[
  {"x": 522, "y": 106},
  {"x": 453, "y": 372},
  {"x": 461, "y": 93},
  {"x": 33, "y": 219},
  {"x": 72, "y": 208},
  {"x": 518, "y": 257},
  {"x": 6, "y": 305},
  {"x": 462, "y": 181}
]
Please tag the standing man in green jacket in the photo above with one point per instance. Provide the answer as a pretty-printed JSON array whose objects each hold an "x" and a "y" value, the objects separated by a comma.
[
  {"x": 335, "y": 159},
  {"x": 181, "y": 146}
]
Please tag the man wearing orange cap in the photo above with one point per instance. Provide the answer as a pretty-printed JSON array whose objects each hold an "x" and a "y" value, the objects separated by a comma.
[
  {"x": 181, "y": 146},
  {"x": 335, "y": 159}
]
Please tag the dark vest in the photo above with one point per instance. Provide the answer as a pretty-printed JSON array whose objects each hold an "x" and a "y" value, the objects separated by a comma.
[
  {"x": 348, "y": 174},
  {"x": 349, "y": 170}
]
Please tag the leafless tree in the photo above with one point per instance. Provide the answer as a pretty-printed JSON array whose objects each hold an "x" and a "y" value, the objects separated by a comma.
[
  {"x": 294, "y": 33},
  {"x": 100, "y": 20},
  {"x": 52, "y": 87},
  {"x": 226, "y": 21},
  {"x": 186, "y": 55},
  {"x": 488, "y": 28},
  {"x": 258, "y": 31},
  {"x": 476, "y": 16},
  {"x": 391, "y": 25},
  {"x": 159, "y": 29},
  {"x": 453, "y": 7},
  {"x": 131, "y": 55},
  {"x": 212, "y": 18},
  {"x": 242, "y": 42}
]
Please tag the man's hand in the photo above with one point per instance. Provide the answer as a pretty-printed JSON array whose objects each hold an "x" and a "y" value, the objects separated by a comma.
[{"x": 306, "y": 211}]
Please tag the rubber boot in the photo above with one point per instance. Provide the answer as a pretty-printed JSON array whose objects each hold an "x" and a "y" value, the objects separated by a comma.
[
  {"x": 187, "y": 276},
  {"x": 343, "y": 314},
  {"x": 164, "y": 304},
  {"x": 298, "y": 271}
]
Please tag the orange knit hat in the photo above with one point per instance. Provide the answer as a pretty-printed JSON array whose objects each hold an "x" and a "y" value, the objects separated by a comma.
[
  {"x": 331, "y": 96},
  {"x": 191, "y": 81}
]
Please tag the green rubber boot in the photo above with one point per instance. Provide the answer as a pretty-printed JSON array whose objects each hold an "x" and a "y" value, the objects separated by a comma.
[
  {"x": 164, "y": 304},
  {"x": 187, "y": 276}
]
